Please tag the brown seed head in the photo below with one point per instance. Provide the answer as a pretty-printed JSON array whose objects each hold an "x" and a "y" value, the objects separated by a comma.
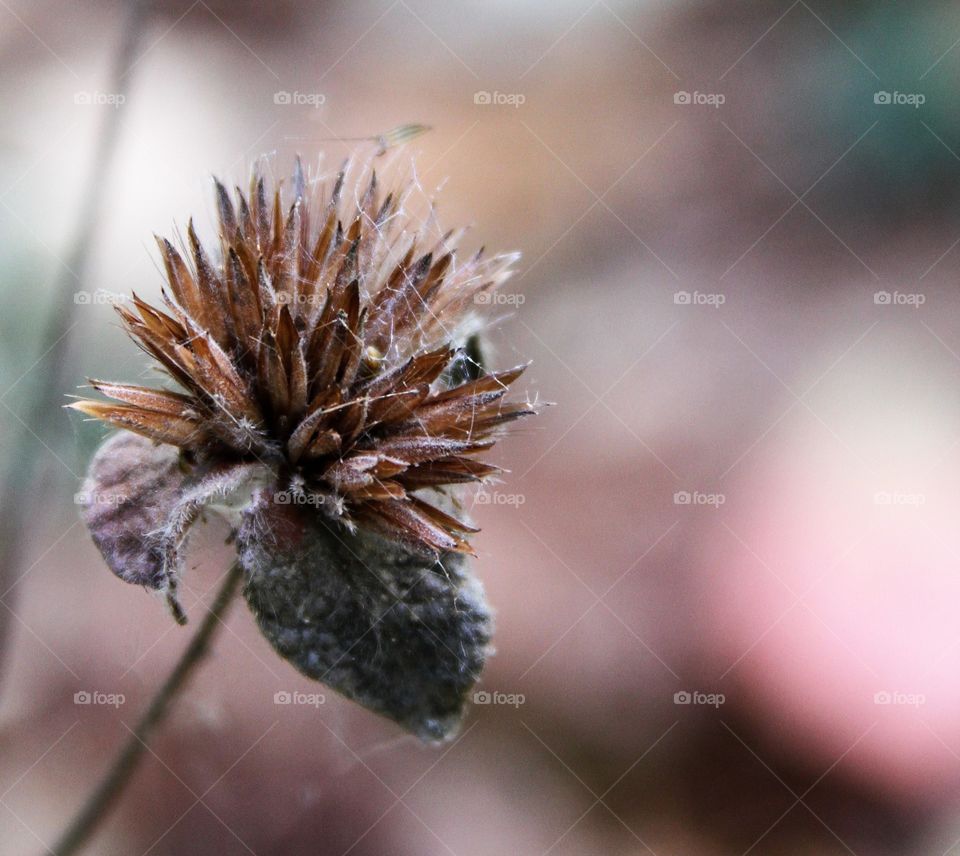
[{"x": 321, "y": 341}]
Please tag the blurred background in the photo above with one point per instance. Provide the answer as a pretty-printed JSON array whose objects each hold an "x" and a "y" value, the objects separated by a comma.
[{"x": 725, "y": 566}]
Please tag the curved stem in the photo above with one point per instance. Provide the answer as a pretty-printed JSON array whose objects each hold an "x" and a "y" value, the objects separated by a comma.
[
  {"x": 123, "y": 767},
  {"x": 47, "y": 386}
]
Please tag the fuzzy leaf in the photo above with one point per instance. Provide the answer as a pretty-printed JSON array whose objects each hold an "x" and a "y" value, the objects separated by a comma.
[
  {"x": 139, "y": 503},
  {"x": 403, "y": 633},
  {"x": 132, "y": 487}
]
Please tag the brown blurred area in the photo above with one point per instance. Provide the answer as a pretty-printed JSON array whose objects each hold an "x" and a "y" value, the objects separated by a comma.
[{"x": 725, "y": 566}]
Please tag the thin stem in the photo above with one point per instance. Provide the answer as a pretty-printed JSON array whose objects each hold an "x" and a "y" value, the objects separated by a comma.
[
  {"x": 17, "y": 494},
  {"x": 123, "y": 767}
]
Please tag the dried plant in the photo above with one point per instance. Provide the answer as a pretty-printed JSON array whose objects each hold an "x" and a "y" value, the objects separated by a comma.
[{"x": 327, "y": 407}]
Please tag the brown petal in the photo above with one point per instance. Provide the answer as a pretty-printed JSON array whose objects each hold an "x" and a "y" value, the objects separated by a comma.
[
  {"x": 304, "y": 433},
  {"x": 488, "y": 383},
  {"x": 218, "y": 318},
  {"x": 182, "y": 283},
  {"x": 159, "y": 400},
  {"x": 162, "y": 427},
  {"x": 397, "y": 406},
  {"x": 403, "y": 520},
  {"x": 453, "y": 470},
  {"x": 415, "y": 450},
  {"x": 325, "y": 443},
  {"x": 228, "y": 220},
  {"x": 351, "y": 473},
  {"x": 379, "y": 491},
  {"x": 245, "y": 307}
]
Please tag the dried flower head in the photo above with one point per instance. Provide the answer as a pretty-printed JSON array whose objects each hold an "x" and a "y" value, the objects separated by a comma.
[{"x": 326, "y": 401}]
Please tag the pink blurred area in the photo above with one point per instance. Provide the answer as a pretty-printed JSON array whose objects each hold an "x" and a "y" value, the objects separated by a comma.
[{"x": 724, "y": 565}]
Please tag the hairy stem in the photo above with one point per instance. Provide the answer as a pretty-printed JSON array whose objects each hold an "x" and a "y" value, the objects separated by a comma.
[{"x": 125, "y": 764}]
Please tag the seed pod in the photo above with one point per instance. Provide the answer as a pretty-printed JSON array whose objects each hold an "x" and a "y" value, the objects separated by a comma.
[{"x": 397, "y": 630}]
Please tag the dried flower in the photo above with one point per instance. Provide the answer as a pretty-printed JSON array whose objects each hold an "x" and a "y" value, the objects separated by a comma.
[{"x": 326, "y": 406}]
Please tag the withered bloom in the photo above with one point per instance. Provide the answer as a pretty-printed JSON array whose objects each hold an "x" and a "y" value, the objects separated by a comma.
[{"x": 327, "y": 406}]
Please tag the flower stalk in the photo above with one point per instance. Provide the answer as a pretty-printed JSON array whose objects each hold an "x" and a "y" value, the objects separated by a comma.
[{"x": 125, "y": 765}]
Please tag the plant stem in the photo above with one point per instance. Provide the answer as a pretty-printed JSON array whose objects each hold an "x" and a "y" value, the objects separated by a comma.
[
  {"x": 123, "y": 767},
  {"x": 18, "y": 492}
]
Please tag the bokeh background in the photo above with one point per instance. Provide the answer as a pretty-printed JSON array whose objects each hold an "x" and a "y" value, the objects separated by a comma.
[{"x": 726, "y": 566}]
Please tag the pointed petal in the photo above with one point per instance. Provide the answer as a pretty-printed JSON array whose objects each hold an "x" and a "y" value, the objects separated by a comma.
[{"x": 161, "y": 427}]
